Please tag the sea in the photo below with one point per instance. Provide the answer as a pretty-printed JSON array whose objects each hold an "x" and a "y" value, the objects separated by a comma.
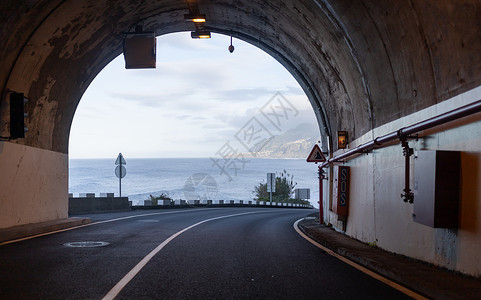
[{"x": 187, "y": 178}]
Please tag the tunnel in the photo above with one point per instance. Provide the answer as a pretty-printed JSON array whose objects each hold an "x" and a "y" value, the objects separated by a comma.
[{"x": 367, "y": 67}]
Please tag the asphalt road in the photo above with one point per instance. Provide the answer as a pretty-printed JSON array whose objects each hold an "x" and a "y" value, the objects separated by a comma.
[{"x": 229, "y": 253}]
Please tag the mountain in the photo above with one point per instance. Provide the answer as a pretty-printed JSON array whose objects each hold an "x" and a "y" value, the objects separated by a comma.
[{"x": 294, "y": 143}]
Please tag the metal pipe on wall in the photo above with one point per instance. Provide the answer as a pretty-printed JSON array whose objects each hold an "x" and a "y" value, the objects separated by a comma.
[{"x": 405, "y": 132}]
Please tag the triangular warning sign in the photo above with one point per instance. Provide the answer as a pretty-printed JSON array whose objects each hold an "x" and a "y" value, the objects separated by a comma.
[
  {"x": 120, "y": 160},
  {"x": 316, "y": 155}
]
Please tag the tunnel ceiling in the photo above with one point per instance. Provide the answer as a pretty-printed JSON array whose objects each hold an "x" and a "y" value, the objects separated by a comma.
[{"x": 361, "y": 63}]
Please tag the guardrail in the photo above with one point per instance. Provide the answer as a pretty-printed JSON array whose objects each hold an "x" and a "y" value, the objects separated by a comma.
[
  {"x": 106, "y": 202},
  {"x": 223, "y": 203}
]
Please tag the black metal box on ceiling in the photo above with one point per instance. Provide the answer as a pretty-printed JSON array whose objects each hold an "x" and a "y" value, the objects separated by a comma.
[
  {"x": 437, "y": 188},
  {"x": 139, "y": 50}
]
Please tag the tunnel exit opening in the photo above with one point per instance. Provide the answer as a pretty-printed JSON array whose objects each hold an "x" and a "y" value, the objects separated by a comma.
[
  {"x": 353, "y": 62},
  {"x": 202, "y": 101}
]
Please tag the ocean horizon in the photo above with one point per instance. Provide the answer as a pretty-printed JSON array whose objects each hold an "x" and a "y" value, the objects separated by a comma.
[{"x": 187, "y": 178}]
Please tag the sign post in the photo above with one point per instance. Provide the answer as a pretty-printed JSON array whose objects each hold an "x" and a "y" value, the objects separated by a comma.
[
  {"x": 316, "y": 156},
  {"x": 271, "y": 184},
  {"x": 120, "y": 171}
]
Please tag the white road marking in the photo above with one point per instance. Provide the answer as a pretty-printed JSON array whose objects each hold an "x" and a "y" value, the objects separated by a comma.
[
  {"x": 127, "y": 278},
  {"x": 96, "y": 223},
  {"x": 383, "y": 279}
]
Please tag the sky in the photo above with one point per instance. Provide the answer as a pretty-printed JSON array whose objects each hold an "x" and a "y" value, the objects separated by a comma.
[{"x": 199, "y": 98}]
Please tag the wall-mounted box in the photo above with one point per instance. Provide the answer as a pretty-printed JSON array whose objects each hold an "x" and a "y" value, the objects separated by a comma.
[
  {"x": 437, "y": 188},
  {"x": 340, "y": 193}
]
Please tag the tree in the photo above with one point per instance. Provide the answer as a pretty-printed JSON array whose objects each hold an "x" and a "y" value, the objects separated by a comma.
[{"x": 284, "y": 188}]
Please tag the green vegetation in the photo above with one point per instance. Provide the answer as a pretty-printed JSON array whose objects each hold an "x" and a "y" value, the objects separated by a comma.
[
  {"x": 285, "y": 186},
  {"x": 163, "y": 196}
]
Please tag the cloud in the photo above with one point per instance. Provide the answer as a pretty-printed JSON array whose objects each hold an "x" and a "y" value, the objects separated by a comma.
[
  {"x": 183, "y": 117},
  {"x": 245, "y": 94},
  {"x": 294, "y": 90},
  {"x": 200, "y": 95},
  {"x": 190, "y": 71},
  {"x": 161, "y": 98}
]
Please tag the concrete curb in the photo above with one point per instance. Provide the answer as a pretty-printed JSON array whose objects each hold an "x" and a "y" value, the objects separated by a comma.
[
  {"x": 424, "y": 278},
  {"x": 22, "y": 231}
]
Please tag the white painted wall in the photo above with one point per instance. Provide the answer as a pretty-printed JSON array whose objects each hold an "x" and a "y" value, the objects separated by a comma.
[
  {"x": 33, "y": 185},
  {"x": 378, "y": 214}
]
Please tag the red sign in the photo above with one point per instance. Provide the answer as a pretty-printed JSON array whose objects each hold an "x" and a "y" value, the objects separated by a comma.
[
  {"x": 316, "y": 155},
  {"x": 341, "y": 190}
]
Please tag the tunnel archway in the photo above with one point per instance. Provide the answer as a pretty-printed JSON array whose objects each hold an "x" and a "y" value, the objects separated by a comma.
[
  {"x": 344, "y": 55},
  {"x": 362, "y": 64}
]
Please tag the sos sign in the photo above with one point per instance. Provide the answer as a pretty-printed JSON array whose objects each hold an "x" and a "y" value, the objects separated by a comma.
[{"x": 341, "y": 190}]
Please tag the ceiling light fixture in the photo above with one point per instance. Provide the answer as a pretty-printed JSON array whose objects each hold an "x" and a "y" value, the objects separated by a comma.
[
  {"x": 200, "y": 34},
  {"x": 196, "y": 18}
]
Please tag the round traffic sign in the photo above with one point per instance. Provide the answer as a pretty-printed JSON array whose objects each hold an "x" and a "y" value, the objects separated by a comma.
[{"x": 117, "y": 171}]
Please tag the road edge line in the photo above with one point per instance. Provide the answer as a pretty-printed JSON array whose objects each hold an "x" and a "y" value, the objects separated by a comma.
[
  {"x": 96, "y": 223},
  {"x": 363, "y": 269}
]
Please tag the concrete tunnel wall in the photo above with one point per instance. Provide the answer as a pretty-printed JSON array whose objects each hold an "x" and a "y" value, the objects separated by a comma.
[
  {"x": 377, "y": 213},
  {"x": 362, "y": 64}
]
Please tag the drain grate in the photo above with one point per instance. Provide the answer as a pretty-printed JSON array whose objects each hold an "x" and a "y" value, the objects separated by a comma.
[{"x": 86, "y": 244}]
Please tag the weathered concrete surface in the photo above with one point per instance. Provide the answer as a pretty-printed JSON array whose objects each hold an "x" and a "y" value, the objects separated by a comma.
[
  {"x": 428, "y": 280},
  {"x": 29, "y": 230},
  {"x": 87, "y": 205},
  {"x": 33, "y": 185},
  {"x": 361, "y": 63},
  {"x": 366, "y": 66},
  {"x": 377, "y": 212}
]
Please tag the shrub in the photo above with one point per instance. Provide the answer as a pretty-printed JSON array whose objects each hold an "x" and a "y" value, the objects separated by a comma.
[{"x": 285, "y": 186}]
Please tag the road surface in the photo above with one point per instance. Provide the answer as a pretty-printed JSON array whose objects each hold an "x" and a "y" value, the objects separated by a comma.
[{"x": 218, "y": 253}]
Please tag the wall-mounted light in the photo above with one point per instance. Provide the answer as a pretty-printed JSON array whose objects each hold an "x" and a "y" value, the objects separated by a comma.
[
  {"x": 342, "y": 139},
  {"x": 196, "y": 18},
  {"x": 200, "y": 34}
]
